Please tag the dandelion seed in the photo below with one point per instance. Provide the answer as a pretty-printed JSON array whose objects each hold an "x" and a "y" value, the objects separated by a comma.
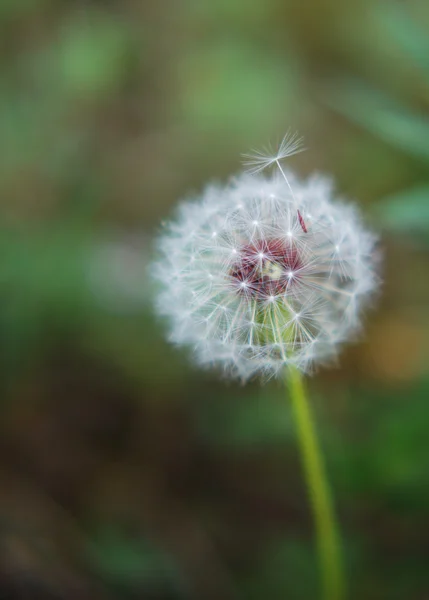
[{"x": 259, "y": 160}]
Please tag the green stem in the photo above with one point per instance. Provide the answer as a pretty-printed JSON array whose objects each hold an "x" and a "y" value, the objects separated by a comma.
[{"x": 328, "y": 543}]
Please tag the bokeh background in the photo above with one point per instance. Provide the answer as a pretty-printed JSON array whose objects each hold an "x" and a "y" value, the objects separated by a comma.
[{"x": 125, "y": 472}]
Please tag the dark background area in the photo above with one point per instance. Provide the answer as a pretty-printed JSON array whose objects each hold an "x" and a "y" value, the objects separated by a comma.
[{"x": 125, "y": 472}]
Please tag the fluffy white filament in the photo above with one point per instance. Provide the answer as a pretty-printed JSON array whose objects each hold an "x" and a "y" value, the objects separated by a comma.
[{"x": 254, "y": 276}]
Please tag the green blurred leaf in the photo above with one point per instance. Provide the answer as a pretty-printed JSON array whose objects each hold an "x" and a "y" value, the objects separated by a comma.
[
  {"x": 405, "y": 211},
  {"x": 395, "y": 18},
  {"x": 382, "y": 116},
  {"x": 44, "y": 286},
  {"x": 92, "y": 57},
  {"x": 124, "y": 560},
  {"x": 400, "y": 461},
  {"x": 24, "y": 123},
  {"x": 286, "y": 569},
  {"x": 12, "y": 8},
  {"x": 259, "y": 419},
  {"x": 235, "y": 85},
  {"x": 386, "y": 457}
]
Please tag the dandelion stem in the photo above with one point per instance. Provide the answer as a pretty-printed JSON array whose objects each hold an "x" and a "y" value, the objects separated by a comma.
[{"x": 328, "y": 542}]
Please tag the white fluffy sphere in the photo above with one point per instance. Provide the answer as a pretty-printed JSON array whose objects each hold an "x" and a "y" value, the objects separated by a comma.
[{"x": 255, "y": 277}]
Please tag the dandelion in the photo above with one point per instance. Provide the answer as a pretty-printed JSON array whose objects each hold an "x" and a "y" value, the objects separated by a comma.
[
  {"x": 268, "y": 276},
  {"x": 255, "y": 280}
]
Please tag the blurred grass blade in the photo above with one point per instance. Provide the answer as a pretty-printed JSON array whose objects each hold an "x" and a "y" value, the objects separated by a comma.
[
  {"x": 406, "y": 211},
  {"x": 380, "y": 115},
  {"x": 407, "y": 32}
]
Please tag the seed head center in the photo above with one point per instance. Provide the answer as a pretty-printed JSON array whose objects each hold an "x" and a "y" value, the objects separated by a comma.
[
  {"x": 272, "y": 270},
  {"x": 263, "y": 268}
]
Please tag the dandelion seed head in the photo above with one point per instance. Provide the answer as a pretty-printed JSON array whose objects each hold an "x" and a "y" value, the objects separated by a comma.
[{"x": 247, "y": 282}]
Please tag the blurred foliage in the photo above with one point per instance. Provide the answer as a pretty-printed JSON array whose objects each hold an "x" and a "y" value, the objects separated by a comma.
[{"x": 125, "y": 473}]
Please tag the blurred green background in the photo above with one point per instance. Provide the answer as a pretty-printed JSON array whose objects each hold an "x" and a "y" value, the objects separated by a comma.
[{"x": 126, "y": 473}]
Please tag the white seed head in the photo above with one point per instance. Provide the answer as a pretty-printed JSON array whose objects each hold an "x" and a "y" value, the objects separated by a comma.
[{"x": 282, "y": 281}]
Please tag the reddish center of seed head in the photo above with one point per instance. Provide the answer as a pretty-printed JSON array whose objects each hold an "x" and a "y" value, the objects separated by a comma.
[{"x": 266, "y": 268}]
